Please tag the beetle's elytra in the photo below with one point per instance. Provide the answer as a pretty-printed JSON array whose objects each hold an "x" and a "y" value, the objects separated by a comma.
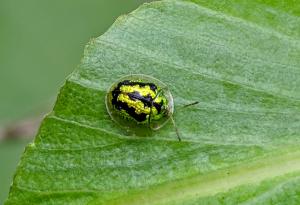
[
  {"x": 136, "y": 100},
  {"x": 139, "y": 100}
]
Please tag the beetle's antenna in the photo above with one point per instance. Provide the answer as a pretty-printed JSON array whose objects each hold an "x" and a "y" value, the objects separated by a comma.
[
  {"x": 188, "y": 105},
  {"x": 173, "y": 121},
  {"x": 176, "y": 129},
  {"x": 193, "y": 103}
]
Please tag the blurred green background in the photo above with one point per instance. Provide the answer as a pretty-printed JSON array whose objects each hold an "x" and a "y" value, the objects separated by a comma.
[{"x": 41, "y": 42}]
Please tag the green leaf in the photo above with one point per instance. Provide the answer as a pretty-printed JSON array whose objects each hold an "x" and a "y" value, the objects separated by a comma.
[{"x": 239, "y": 59}]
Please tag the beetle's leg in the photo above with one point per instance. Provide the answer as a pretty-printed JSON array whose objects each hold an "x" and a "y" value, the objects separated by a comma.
[
  {"x": 149, "y": 119},
  {"x": 171, "y": 117}
]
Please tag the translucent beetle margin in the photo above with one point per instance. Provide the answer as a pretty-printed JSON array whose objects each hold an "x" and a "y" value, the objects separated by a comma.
[{"x": 143, "y": 95}]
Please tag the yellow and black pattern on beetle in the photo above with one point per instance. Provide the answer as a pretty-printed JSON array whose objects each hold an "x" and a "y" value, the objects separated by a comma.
[{"x": 137, "y": 100}]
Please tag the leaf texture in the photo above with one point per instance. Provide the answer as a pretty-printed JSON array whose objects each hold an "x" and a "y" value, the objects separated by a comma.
[{"x": 239, "y": 59}]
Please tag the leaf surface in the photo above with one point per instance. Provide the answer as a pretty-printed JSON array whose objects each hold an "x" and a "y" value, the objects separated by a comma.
[{"x": 239, "y": 59}]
